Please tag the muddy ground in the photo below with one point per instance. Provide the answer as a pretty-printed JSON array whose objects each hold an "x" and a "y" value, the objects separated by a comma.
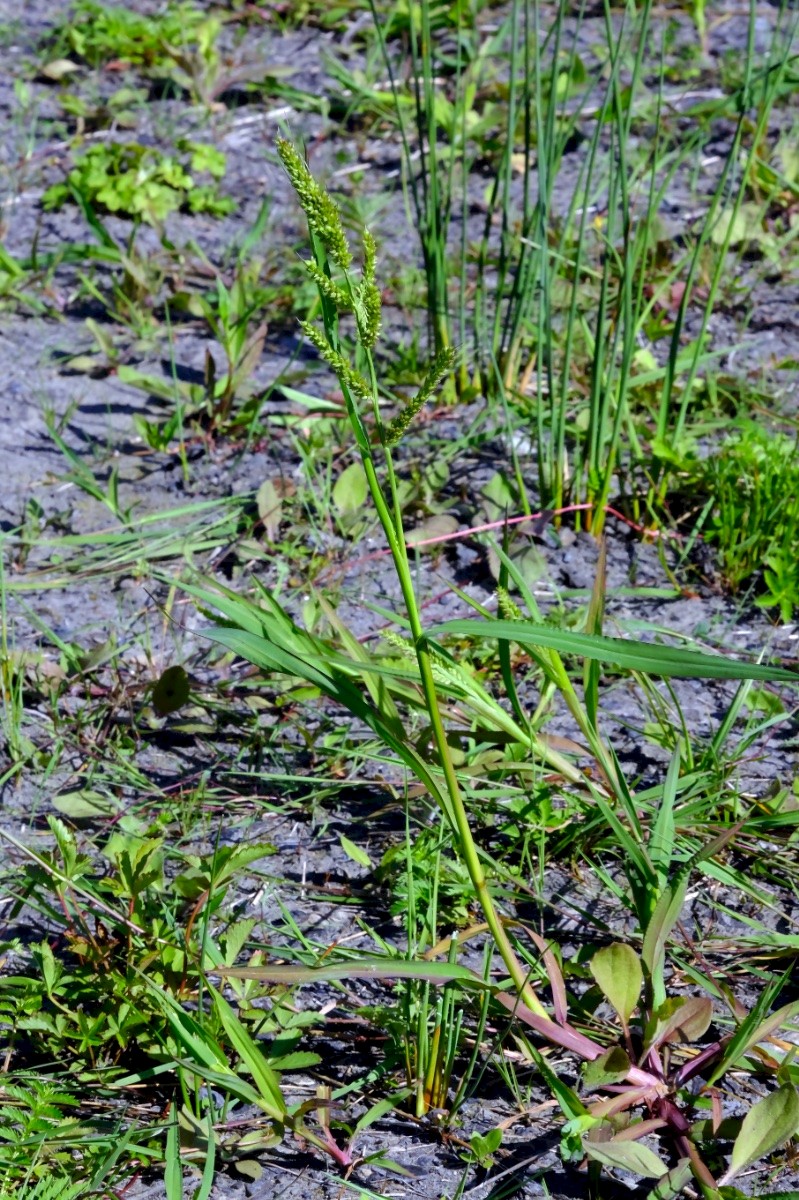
[{"x": 95, "y": 418}]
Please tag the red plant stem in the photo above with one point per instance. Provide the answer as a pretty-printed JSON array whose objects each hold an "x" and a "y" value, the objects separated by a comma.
[
  {"x": 571, "y": 1039},
  {"x": 558, "y": 512},
  {"x": 459, "y": 534}
]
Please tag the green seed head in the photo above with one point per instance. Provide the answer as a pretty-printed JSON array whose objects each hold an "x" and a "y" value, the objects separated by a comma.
[
  {"x": 440, "y": 367},
  {"x": 507, "y": 608},
  {"x": 347, "y": 375},
  {"x": 369, "y": 257},
  {"x": 372, "y": 305},
  {"x": 369, "y": 294},
  {"x": 319, "y": 207},
  {"x": 403, "y": 647},
  {"x": 329, "y": 288}
]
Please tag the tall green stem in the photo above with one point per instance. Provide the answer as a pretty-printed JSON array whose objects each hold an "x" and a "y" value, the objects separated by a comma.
[{"x": 392, "y": 526}]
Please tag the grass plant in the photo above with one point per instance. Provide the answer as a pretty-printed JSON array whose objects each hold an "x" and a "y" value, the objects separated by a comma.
[
  {"x": 751, "y": 517},
  {"x": 266, "y": 636}
]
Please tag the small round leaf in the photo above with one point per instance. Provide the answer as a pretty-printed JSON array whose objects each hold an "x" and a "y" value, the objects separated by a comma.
[
  {"x": 350, "y": 489},
  {"x": 171, "y": 691}
]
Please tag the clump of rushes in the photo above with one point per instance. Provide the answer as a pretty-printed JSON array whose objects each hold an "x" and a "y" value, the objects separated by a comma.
[{"x": 358, "y": 381}]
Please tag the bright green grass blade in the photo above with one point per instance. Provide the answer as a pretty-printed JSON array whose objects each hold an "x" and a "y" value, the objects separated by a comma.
[
  {"x": 173, "y": 1173},
  {"x": 207, "y": 1181},
  {"x": 755, "y": 1026},
  {"x": 251, "y": 1054},
  {"x": 633, "y": 656},
  {"x": 269, "y": 657},
  {"x": 638, "y": 868},
  {"x": 207, "y": 1059},
  {"x": 662, "y": 837},
  {"x": 361, "y": 968},
  {"x": 663, "y": 919}
]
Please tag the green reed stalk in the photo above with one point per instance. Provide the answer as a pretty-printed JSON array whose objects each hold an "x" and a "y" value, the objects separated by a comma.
[{"x": 671, "y": 425}]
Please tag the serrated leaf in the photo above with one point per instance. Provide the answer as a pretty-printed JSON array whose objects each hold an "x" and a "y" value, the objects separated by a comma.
[
  {"x": 235, "y": 938},
  {"x": 350, "y": 489},
  {"x": 771, "y": 1122},
  {"x": 618, "y": 974},
  {"x": 171, "y": 691},
  {"x": 627, "y": 1156}
]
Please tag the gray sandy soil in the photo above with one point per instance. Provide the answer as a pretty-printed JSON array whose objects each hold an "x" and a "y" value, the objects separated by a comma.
[{"x": 758, "y": 340}]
